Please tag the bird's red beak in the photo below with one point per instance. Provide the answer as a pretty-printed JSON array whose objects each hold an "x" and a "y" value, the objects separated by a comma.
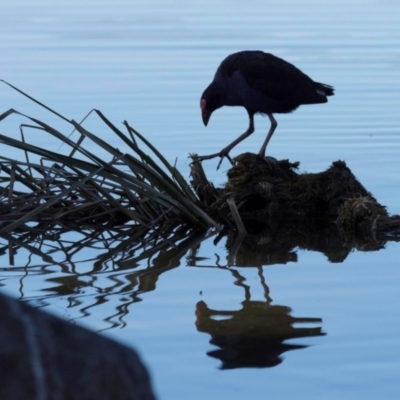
[{"x": 205, "y": 114}]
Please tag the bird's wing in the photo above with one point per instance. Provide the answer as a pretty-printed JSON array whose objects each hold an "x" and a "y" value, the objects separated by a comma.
[{"x": 275, "y": 78}]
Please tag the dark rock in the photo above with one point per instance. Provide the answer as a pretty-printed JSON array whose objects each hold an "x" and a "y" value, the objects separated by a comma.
[{"x": 43, "y": 357}]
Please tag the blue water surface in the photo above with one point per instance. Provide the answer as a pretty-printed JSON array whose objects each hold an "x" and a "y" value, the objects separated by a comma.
[{"x": 148, "y": 62}]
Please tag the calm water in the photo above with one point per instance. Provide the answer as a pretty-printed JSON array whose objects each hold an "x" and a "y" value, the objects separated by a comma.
[{"x": 148, "y": 62}]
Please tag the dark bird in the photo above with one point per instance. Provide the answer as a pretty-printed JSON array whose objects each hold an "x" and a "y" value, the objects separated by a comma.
[{"x": 261, "y": 83}]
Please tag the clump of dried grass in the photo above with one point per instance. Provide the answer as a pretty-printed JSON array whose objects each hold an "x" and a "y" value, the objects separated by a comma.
[{"x": 81, "y": 190}]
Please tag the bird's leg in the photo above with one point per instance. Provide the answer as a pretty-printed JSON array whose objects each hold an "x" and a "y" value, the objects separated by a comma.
[
  {"x": 274, "y": 124},
  {"x": 225, "y": 151}
]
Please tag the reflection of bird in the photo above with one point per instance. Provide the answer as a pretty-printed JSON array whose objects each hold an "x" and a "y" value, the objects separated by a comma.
[
  {"x": 255, "y": 335},
  {"x": 261, "y": 83}
]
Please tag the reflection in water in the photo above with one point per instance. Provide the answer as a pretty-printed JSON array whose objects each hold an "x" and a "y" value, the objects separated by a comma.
[
  {"x": 125, "y": 263},
  {"x": 124, "y": 266},
  {"x": 254, "y": 335}
]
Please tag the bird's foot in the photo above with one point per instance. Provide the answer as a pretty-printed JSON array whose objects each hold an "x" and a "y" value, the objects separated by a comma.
[{"x": 223, "y": 153}]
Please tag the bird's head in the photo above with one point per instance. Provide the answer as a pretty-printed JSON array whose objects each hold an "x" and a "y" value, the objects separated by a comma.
[{"x": 212, "y": 99}]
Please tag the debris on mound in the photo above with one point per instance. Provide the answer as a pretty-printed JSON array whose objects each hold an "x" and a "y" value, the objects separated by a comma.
[{"x": 267, "y": 196}]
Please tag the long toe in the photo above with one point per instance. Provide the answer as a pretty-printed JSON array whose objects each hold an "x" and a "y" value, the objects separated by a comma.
[
  {"x": 208, "y": 157},
  {"x": 222, "y": 154}
]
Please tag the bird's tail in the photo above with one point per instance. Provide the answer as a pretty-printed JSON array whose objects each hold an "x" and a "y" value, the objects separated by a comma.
[{"x": 324, "y": 90}]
